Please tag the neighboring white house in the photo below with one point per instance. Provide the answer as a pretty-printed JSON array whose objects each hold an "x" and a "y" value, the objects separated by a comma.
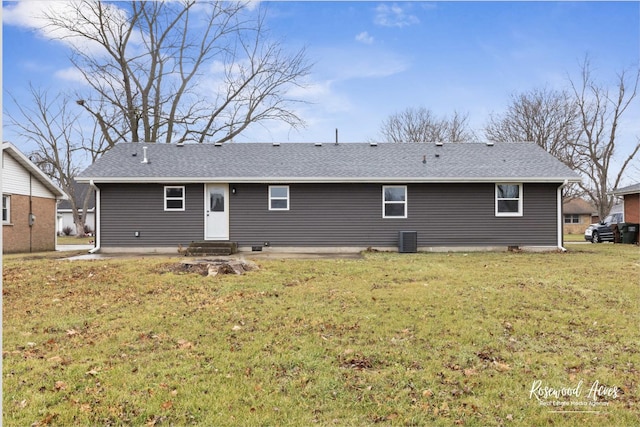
[{"x": 65, "y": 213}]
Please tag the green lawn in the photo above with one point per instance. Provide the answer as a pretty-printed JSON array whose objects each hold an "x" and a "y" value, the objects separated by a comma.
[
  {"x": 568, "y": 238},
  {"x": 391, "y": 339},
  {"x": 75, "y": 240}
]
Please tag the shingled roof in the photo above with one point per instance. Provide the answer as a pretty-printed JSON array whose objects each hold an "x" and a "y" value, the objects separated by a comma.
[
  {"x": 631, "y": 189},
  {"x": 345, "y": 162}
]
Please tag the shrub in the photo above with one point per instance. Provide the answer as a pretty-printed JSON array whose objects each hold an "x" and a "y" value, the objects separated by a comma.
[{"x": 67, "y": 231}]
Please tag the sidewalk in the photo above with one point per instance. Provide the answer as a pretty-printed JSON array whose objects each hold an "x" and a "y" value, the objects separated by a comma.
[{"x": 72, "y": 248}]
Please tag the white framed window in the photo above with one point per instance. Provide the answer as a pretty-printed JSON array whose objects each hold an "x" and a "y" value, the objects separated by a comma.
[
  {"x": 174, "y": 198},
  {"x": 394, "y": 201},
  {"x": 6, "y": 208},
  {"x": 508, "y": 199},
  {"x": 571, "y": 219},
  {"x": 278, "y": 197}
]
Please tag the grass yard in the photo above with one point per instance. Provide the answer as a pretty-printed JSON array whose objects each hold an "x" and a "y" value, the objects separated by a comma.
[
  {"x": 572, "y": 238},
  {"x": 414, "y": 339},
  {"x": 75, "y": 240}
]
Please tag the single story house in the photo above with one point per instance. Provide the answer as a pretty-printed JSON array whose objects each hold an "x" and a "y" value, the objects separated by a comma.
[
  {"x": 29, "y": 200},
  {"x": 578, "y": 215},
  {"x": 328, "y": 197},
  {"x": 631, "y": 201},
  {"x": 65, "y": 211}
]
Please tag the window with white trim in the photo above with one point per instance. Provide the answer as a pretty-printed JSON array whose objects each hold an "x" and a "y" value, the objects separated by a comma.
[
  {"x": 174, "y": 198},
  {"x": 6, "y": 208},
  {"x": 394, "y": 201},
  {"x": 508, "y": 199},
  {"x": 278, "y": 197},
  {"x": 572, "y": 219}
]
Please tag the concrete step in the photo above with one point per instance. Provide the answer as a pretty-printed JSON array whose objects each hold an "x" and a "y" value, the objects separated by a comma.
[{"x": 212, "y": 248}]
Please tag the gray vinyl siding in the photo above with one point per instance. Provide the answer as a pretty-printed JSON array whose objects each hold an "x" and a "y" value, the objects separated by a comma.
[
  {"x": 351, "y": 215},
  {"x": 331, "y": 215},
  {"x": 127, "y": 208}
]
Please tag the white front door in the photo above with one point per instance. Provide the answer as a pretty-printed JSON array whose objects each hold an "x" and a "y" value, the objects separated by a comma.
[{"x": 216, "y": 210}]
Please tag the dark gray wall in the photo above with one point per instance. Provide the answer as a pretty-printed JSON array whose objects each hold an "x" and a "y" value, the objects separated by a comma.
[
  {"x": 127, "y": 208},
  {"x": 351, "y": 215},
  {"x": 331, "y": 215}
]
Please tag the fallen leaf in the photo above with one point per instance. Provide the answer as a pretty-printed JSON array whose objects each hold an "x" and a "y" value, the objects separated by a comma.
[
  {"x": 184, "y": 344},
  {"x": 72, "y": 332},
  {"x": 427, "y": 393},
  {"x": 60, "y": 385},
  {"x": 501, "y": 367},
  {"x": 167, "y": 405},
  {"x": 92, "y": 372},
  {"x": 47, "y": 419}
]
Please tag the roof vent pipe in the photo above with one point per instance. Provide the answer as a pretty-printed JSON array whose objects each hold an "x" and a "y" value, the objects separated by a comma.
[
  {"x": 489, "y": 143},
  {"x": 336, "y": 136},
  {"x": 145, "y": 159}
]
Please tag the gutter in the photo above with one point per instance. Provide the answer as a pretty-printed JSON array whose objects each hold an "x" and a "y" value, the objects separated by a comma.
[
  {"x": 97, "y": 217},
  {"x": 560, "y": 222},
  {"x": 324, "y": 180}
]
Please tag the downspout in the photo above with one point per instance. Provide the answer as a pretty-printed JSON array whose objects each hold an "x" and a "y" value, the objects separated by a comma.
[
  {"x": 97, "y": 214},
  {"x": 560, "y": 217},
  {"x": 30, "y": 212}
]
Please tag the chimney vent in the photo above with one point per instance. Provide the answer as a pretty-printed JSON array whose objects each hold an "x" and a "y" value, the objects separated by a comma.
[{"x": 145, "y": 159}]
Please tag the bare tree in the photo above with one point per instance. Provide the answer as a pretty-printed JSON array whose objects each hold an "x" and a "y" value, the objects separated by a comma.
[
  {"x": 421, "y": 125},
  {"x": 179, "y": 71},
  {"x": 55, "y": 128},
  {"x": 547, "y": 117},
  {"x": 600, "y": 110}
]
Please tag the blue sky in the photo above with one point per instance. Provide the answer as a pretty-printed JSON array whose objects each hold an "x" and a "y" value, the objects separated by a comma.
[{"x": 373, "y": 59}]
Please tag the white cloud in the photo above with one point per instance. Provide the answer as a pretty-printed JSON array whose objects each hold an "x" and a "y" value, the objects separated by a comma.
[
  {"x": 394, "y": 16},
  {"x": 364, "y": 37},
  {"x": 33, "y": 15},
  {"x": 26, "y": 14},
  {"x": 71, "y": 74},
  {"x": 343, "y": 64}
]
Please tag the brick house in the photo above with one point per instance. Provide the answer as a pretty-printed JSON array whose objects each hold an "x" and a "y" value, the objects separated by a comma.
[
  {"x": 29, "y": 201},
  {"x": 578, "y": 214},
  {"x": 631, "y": 201}
]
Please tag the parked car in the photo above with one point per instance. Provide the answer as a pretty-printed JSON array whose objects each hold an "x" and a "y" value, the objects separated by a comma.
[{"x": 604, "y": 230}]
